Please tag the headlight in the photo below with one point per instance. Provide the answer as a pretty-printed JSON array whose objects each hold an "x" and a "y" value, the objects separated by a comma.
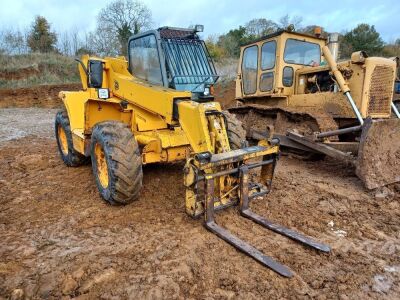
[
  {"x": 199, "y": 28},
  {"x": 206, "y": 91}
]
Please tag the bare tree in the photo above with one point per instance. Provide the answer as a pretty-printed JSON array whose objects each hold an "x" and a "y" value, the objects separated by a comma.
[
  {"x": 12, "y": 42},
  {"x": 286, "y": 21},
  {"x": 260, "y": 27},
  {"x": 2, "y": 43},
  {"x": 64, "y": 43},
  {"x": 76, "y": 41},
  {"x": 103, "y": 41},
  {"x": 124, "y": 18}
]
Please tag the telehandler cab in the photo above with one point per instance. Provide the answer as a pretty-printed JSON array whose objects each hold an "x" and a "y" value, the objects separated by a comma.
[{"x": 159, "y": 107}]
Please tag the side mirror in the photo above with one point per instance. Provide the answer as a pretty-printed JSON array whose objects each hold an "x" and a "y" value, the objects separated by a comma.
[{"x": 95, "y": 71}]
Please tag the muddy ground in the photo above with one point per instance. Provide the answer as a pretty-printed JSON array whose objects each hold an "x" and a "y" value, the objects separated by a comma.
[{"x": 59, "y": 239}]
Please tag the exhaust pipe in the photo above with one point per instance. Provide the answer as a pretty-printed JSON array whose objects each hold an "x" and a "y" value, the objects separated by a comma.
[{"x": 333, "y": 45}]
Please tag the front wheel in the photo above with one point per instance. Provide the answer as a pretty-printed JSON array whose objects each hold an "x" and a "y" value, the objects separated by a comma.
[
  {"x": 235, "y": 131},
  {"x": 116, "y": 162}
]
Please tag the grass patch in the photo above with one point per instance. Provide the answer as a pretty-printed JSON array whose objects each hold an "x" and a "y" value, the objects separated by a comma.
[{"x": 51, "y": 69}]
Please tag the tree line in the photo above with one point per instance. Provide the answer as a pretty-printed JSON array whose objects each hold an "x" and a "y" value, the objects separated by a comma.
[
  {"x": 362, "y": 37},
  {"x": 115, "y": 24},
  {"x": 121, "y": 18}
]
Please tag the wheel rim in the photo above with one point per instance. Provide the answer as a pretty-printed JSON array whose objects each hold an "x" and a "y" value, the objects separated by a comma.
[
  {"x": 101, "y": 164},
  {"x": 62, "y": 137}
]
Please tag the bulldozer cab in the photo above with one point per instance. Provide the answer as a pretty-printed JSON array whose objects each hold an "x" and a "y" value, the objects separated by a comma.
[
  {"x": 175, "y": 58},
  {"x": 268, "y": 65},
  {"x": 290, "y": 81}
]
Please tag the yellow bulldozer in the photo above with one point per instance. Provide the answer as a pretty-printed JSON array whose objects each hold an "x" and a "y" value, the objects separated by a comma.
[
  {"x": 159, "y": 107},
  {"x": 291, "y": 87}
]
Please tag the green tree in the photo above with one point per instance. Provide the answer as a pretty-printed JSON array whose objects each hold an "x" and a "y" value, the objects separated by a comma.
[
  {"x": 124, "y": 18},
  {"x": 41, "y": 38},
  {"x": 363, "y": 37},
  {"x": 233, "y": 39},
  {"x": 216, "y": 51}
]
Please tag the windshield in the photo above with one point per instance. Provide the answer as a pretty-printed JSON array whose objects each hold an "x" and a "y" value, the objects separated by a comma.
[
  {"x": 189, "y": 65},
  {"x": 302, "y": 53}
]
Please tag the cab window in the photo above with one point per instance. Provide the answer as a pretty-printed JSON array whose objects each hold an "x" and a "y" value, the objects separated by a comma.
[
  {"x": 267, "y": 81},
  {"x": 268, "y": 54},
  {"x": 302, "y": 53},
  {"x": 144, "y": 59},
  {"x": 287, "y": 78},
  {"x": 249, "y": 69}
]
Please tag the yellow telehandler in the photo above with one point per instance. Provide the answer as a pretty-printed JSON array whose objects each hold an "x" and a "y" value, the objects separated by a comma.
[
  {"x": 158, "y": 107},
  {"x": 291, "y": 85}
]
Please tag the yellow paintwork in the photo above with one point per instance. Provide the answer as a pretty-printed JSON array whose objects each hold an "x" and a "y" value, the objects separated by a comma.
[
  {"x": 101, "y": 163},
  {"x": 333, "y": 103},
  {"x": 63, "y": 140},
  {"x": 166, "y": 155},
  {"x": 166, "y": 123},
  {"x": 148, "y": 112}
]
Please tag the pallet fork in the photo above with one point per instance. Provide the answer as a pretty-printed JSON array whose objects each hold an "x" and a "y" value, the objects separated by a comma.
[{"x": 247, "y": 191}]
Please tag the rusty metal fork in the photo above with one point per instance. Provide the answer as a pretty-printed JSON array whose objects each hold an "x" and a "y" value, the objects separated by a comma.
[
  {"x": 246, "y": 212},
  {"x": 234, "y": 240}
]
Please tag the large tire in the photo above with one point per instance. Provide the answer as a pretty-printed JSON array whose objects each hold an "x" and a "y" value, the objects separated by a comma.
[
  {"x": 69, "y": 155},
  {"x": 116, "y": 162},
  {"x": 236, "y": 132}
]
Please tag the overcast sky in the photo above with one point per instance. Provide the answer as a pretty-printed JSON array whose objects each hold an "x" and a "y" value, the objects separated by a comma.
[{"x": 218, "y": 16}]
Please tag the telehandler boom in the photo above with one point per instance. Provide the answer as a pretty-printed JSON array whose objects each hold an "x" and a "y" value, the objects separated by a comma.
[{"x": 158, "y": 107}]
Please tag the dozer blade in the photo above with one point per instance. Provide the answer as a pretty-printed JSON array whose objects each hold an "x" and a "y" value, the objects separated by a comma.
[{"x": 378, "y": 161}]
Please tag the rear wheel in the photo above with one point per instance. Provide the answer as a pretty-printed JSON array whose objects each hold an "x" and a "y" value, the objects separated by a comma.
[
  {"x": 69, "y": 155},
  {"x": 116, "y": 162},
  {"x": 236, "y": 132}
]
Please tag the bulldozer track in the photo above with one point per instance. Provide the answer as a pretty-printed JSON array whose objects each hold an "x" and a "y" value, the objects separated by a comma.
[{"x": 323, "y": 120}]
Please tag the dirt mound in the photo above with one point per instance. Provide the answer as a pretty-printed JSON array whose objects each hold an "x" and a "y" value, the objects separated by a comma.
[
  {"x": 45, "y": 96},
  {"x": 19, "y": 73},
  {"x": 378, "y": 161},
  {"x": 59, "y": 238},
  {"x": 225, "y": 94},
  {"x": 26, "y": 70}
]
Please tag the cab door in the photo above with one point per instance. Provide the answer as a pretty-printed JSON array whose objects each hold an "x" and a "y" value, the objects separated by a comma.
[
  {"x": 267, "y": 66},
  {"x": 258, "y": 68},
  {"x": 250, "y": 70}
]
